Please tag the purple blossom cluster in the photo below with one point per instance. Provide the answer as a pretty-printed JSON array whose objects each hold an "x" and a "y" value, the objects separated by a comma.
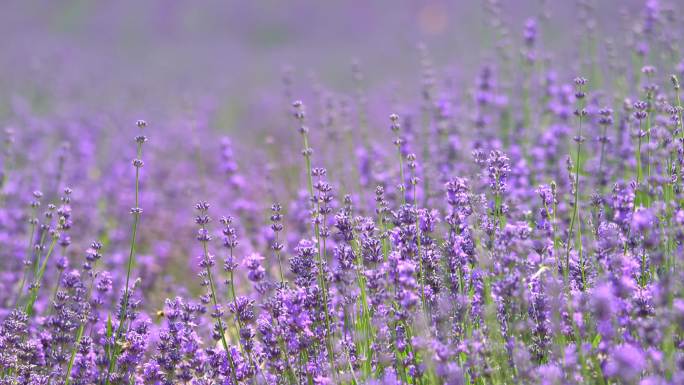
[{"x": 524, "y": 225}]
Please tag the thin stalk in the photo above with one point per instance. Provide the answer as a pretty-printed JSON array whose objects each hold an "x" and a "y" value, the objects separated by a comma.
[
  {"x": 131, "y": 257},
  {"x": 280, "y": 263},
  {"x": 239, "y": 322},
  {"x": 219, "y": 322},
  {"x": 648, "y": 155},
  {"x": 426, "y": 150},
  {"x": 681, "y": 134},
  {"x": 365, "y": 310},
  {"x": 639, "y": 172},
  {"x": 575, "y": 208},
  {"x": 323, "y": 257},
  {"x": 603, "y": 150},
  {"x": 679, "y": 113},
  {"x": 57, "y": 285},
  {"x": 321, "y": 276},
  {"x": 59, "y": 277},
  {"x": 553, "y": 234},
  {"x": 28, "y": 309},
  {"x": 402, "y": 181},
  {"x": 419, "y": 240},
  {"x": 36, "y": 256},
  {"x": 79, "y": 335},
  {"x": 28, "y": 253}
]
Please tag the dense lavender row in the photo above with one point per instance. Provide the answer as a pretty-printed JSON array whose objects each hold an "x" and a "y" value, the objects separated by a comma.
[{"x": 526, "y": 227}]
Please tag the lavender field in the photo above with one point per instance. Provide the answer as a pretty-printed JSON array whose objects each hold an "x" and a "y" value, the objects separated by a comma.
[{"x": 354, "y": 192}]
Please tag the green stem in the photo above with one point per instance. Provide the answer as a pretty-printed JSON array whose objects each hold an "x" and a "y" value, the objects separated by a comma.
[
  {"x": 420, "y": 259},
  {"x": 575, "y": 208},
  {"x": 129, "y": 268},
  {"x": 321, "y": 253},
  {"x": 28, "y": 253},
  {"x": 28, "y": 309},
  {"x": 219, "y": 322},
  {"x": 639, "y": 172},
  {"x": 402, "y": 181},
  {"x": 79, "y": 336}
]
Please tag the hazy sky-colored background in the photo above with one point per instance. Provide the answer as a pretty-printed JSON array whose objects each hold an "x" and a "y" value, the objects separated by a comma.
[{"x": 101, "y": 52}]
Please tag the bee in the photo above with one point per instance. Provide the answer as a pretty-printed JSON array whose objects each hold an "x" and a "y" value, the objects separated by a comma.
[
  {"x": 124, "y": 345},
  {"x": 160, "y": 314}
]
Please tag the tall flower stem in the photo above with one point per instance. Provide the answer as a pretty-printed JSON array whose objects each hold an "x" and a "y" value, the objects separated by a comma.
[
  {"x": 276, "y": 246},
  {"x": 576, "y": 217},
  {"x": 231, "y": 282},
  {"x": 33, "y": 296},
  {"x": 207, "y": 263},
  {"x": 640, "y": 113},
  {"x": 398, "y": 142},
  {"x": 137, "y": 212},
  {"x": 33, "y": 221},
  {"x": 81, "y": 329},
  {"x": 680, "y": 136},
  {"x": 307, "y": 152},
  {"x": 411, "y": 158},
  {"x": 219, "y": 322},
  {"x": 675, "y": 81}
]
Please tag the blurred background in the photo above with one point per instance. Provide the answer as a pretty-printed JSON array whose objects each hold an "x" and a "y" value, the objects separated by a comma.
[
  {"x": 150, "y": 53},
  {"x": 215, "y": 80}
]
